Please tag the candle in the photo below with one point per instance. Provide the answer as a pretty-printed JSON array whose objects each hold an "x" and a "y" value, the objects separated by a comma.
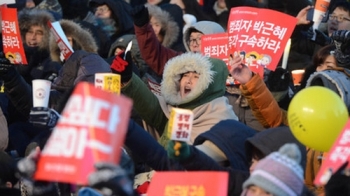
[{"x": 286, "y": 55}]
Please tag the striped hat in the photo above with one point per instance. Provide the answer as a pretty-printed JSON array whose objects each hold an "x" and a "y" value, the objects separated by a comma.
[{"x": 279, "y": 173}]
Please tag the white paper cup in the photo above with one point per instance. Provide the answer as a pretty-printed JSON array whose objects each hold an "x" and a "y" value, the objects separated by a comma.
[
  {"x": 108, "y": 81},
  {"x": 41, "y": 93}
]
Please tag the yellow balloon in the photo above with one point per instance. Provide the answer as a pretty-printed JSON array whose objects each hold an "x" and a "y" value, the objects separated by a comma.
[{"x": 316, "y": 116}]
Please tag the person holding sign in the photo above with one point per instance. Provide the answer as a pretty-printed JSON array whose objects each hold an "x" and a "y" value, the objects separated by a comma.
[
  {"x": 335, "y": 78},
  {"x": 257, "y": 148},
  {"x": 159, "y": 55},
  {"x": 81, "y": 40},
  {"x": 36, "y": 35},
  {"x": 190, "y": 81}
]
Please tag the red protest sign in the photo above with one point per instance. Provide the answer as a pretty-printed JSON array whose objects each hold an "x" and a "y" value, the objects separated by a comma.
[
  {"x": 216, "y": 46},
  {"x": 199, "y": 183},
  {"x": 91, "y": 129},
  {"x": 336, "y": 157},
  {"x": 61, "y": 39},
  {"x": 259, "y": 35},
  {"x": 11, "y": 38}
]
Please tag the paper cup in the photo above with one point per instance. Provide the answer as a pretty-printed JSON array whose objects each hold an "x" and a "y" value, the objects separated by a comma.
[
  {"x": 108, "y": 81},
  {"x": 321, "y": 8},
  {"x": 41, "y": 92},
  {"x": 297, "y": 75}
]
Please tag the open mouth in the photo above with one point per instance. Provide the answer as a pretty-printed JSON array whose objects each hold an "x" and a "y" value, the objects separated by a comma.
[
  {"x": 32, "y": 44},
  {"x": 187, "y": 90}
]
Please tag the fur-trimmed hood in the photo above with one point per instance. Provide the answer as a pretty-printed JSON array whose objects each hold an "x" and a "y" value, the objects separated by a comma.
[
  {"x": 206, "y": 27},
  {"x": 169, "y": 26},
  {"x": 82, "y": 39},
  {"x": 210, "y": 85},
  {"x": 35, "y": 17}
]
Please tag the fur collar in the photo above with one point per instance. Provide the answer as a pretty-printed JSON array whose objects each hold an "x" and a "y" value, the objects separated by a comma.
[
  {"x": 168, "y": 24},
  {"x": 35, "y": 17},
  {"x": 179, "y": 65}
]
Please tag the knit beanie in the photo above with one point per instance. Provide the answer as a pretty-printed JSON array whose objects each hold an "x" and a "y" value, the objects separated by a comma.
[{"x": 279, "y": 173}]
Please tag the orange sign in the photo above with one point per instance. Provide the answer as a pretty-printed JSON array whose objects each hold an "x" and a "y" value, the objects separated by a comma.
[
  {"x": 336, "y": 157},
  {"x": 259, "y": 35},
  {"x": 202, "y": 183},
  {"x": 11, "y": 38},
  {"x": 92, "y": 129}
]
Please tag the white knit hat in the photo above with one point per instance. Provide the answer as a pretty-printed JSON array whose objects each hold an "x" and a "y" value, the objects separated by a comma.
[{"x": 279, "y": 173}]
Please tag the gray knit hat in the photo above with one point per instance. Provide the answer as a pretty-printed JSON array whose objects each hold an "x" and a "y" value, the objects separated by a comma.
[{"x": 279, "y": 173}]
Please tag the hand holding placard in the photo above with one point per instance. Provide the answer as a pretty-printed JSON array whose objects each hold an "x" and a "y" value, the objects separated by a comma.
[{"x": 180, "y": 124}]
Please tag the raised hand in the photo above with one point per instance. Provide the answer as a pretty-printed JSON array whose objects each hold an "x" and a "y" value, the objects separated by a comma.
[{"x": 239, "y": 71}]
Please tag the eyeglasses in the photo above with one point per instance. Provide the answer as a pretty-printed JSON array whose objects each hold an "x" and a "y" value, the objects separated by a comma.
[
  {"x": 196, "y": 40},
  {"x": 102, "y": 9},
  {"x": 338, "y": 18}
]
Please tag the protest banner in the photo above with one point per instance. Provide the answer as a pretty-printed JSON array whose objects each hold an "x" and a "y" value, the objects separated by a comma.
[
  {"x": 216, "y": 46},
  {"x": 336, "y": 157},
  {"x": 61, "y": 39},
  {"x": 259, "y": 36},
  {"x": 11, "y": 38},
  {"x": 91, "y": 129},
  {"x": 199, "y": 183},
  {"x": 180, "y": 124}
]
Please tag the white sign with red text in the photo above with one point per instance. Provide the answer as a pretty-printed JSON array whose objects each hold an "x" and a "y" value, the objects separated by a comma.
[
  {"x": 61, "y": 39},
  {"x": 180, "y": 124}
]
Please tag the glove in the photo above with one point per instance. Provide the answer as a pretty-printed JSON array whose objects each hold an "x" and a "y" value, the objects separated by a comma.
[
  {"x": 5, "y": 65},
  {"x": 343, "y": 37},
  {"x": 123, "y": 67},
  {"x": 178, "y": 150},
  {"x": 42, "y": 116},
  {"x": 342, "y": 52},
  {"x": 278, "y": 80},
  {"x": 27, "y": 166},
  {"x": 111, "y": 180},
  {"x": 140, "y": 15},
  {"x": 321, "y": 38},
  {"x": 26, "y": 169}
]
